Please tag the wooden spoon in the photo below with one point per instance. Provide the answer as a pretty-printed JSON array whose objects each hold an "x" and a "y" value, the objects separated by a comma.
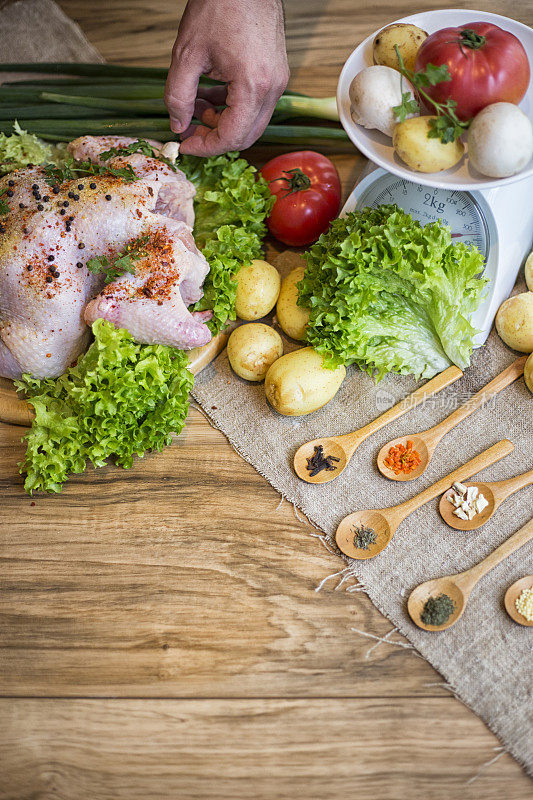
[
  {"x": 343, "y": 447},
  {"x": 17, "y": 411},
  {"x": 458, "y": 587},
  {"x": 425, "y": 443},
  {"x": 385, "y": 521},
  {"x": 512, "y": 594},
  {"x": 494, "y": 492}
]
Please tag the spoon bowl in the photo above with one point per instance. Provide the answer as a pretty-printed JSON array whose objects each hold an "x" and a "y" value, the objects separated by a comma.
[
  {"x": 373, "y": 519},
  {"x": 426, "y": 441},
  {"x": 419, "y": 444},
  {"x": 434, "y": 588},
  {"x": 512, "y": 594},
  {"x": 331, "y": 447},
  {"x": 446, "y": 509}
]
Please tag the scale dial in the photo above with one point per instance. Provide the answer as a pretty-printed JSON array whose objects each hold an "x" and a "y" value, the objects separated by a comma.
[{"x": 460, "y": 210}]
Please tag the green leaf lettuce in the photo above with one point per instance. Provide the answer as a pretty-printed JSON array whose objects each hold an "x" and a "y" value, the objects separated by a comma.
[{"x": 391, "y": 295}]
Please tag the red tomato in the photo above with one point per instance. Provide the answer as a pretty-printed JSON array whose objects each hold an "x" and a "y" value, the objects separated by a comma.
[
  {"x": 308, "y": 196},
  {"x": 487, "y": 65}
]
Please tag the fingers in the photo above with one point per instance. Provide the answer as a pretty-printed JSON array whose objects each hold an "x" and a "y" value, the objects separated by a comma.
[
  {"x": 248, "y": 111},
  {"x": 180, "y": 90}
]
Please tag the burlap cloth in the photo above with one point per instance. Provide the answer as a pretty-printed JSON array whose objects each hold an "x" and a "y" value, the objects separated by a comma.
[{"x": 485, "y": 658}]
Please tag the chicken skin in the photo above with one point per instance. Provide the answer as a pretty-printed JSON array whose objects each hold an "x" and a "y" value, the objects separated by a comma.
[{"x": 48, "y": 296}]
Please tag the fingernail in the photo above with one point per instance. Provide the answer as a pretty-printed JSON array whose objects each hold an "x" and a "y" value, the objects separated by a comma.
[{"x": 175, "y": 125}]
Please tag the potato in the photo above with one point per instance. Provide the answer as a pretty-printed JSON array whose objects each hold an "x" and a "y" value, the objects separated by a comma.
[
  {"x": 292, "y": 318},
  {"x": 258, "y": 287},
  {"x": 298, "y": 384},
  {"x": 529, "y": 272},
  {"x": 411, "y": 143},
  {"x": 514, "y": 322},
  {"x": 528, "y": 373},
  {"x": 407, "y": 37},
  {"x": 252, "y": 349}
]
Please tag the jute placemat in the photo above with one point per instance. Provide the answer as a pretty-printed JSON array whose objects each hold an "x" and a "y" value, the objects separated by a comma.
[{"x": 485, "y": 658}]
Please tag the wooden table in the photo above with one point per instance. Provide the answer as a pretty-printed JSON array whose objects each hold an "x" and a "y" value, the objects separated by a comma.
[{"x": 160, "y": 633}]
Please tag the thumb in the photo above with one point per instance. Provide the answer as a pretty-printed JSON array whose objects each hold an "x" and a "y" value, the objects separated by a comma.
[{"x": 180, "y": 92}]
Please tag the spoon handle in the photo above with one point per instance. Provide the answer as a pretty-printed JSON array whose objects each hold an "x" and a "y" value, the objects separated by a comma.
[
  {"x": 513, "y": 371},
  {"x": 476, "y": 464},
  {"x": 440, "y": 381},
  {"x": 467, "y": 580},
  {"x": 504, "y": 489}
]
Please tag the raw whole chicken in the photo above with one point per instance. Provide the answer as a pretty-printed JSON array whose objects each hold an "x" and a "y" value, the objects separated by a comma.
[{"x": 48, "y": 296}]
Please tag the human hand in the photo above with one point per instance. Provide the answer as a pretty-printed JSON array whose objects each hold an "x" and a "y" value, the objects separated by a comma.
[{"x": 239, "y": 42}]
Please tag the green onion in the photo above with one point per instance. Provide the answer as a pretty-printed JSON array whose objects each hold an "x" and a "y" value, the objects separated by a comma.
[{"x": 66, "y": 107}]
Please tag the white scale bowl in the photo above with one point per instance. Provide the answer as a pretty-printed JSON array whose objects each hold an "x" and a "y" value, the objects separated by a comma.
[{"x": 378, "y": 147}]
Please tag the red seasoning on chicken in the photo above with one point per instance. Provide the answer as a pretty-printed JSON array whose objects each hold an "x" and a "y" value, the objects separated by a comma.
[{"x": 48, "y": 294}]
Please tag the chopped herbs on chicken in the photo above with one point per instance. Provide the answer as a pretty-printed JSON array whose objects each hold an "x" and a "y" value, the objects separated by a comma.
[
  {"x": 72, "y": 169},
  {"x": 122, "y": 262},
  {"x": 140, "y": 146}
]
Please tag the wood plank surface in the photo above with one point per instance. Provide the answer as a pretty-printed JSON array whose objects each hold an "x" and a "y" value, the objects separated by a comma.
[
  {"x": 160, "y": 633},
  {"x": 239, "y": 750}
]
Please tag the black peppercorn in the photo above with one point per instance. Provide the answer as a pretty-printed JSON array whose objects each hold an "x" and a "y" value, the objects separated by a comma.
[
  {"x": 81, "y": 186},
  {"x": 29, "y": 267},
  {"x": 81, "y": 246},
  {"x": 66, "y": 203},
  {"x": 76, "y": 197},
  {"x": 40, "y": 207},
  {"x": 56, "y": 189},
  {"x": 35, "y": 188},
  {"x": 62, "y": 212},
  {"x": 10, "y": 192},
  {"x": 21, "y": 205},
  {"x": 51, "y": 258},
  {"x": 56, "y": 274},
  {"x": 92, "y": 185},
  {"x": 79, "y": 265},
  {"x": 71, "y": 195},
  {"x": 46, "y": 198},
  {"x": 11, "y": 183},
  {"x": 48, "y": 279},
  {"x": 108, "y": 197}
]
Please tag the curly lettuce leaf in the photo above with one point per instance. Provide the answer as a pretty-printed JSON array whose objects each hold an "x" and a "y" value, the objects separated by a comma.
[
  {"x": 20, "y": 148},
  {"x": 120, "y": 400},
  {"x": 391, "y": 295},
  {"x": 231, "y": 204}
]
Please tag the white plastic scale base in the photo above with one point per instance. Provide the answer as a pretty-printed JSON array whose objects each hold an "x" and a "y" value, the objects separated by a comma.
[{"x": 499, "y": 221}]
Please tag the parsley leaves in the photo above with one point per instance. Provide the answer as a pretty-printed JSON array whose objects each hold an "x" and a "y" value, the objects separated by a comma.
[
  {"x": 139, "y": 146},
  {"x": 74, "y": 169},
  {"x": 447, "y": 126},
  {"x": 4, "y": 206},
  {"x": 122, "y": 262}
]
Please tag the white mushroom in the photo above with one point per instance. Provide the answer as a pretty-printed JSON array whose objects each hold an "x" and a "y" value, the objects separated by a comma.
[
  {"x": 374, "y": 92},
  {"x": 500, "y": 140}
]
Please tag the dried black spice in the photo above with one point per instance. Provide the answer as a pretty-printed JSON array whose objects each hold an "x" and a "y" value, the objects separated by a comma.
[
  {"x": 437, "y": 610},
  {"x": 363, "y": 537},
  {"x": 317, "y": 462}
]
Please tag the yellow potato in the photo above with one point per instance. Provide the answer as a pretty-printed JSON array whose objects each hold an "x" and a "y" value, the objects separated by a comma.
[
  {"x": 298, "y": 384},
  {"x": 292, "y": 318},
  {"x": 514, "y": 322},
  {"x": 528, "y": 373},
  {"x": 411, "y": 143},
  {"x": 529, "y": 272},
  {"x": 252, "y": 349},
  {"x": 258, "y": 286},
  {"x": 407, "y": 37}
]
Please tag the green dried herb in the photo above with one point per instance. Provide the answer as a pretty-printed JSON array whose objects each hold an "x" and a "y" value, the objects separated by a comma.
[
  {"x": 363, "y": 537},
  {"x": 4, "y": 206},
  {"x": 437, "y": 610}
]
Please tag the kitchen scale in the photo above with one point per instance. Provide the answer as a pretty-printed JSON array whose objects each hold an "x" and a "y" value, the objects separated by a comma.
[{"x": 498, "y": 221}]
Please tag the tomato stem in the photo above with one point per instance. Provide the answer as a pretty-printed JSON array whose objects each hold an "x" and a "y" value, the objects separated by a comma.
[
  {"x": 471, "y": 39},
  {"x": 297, "y": 180}
]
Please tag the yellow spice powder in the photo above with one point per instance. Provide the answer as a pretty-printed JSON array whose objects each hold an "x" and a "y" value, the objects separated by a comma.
[{"x": 524, "y": 604}]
